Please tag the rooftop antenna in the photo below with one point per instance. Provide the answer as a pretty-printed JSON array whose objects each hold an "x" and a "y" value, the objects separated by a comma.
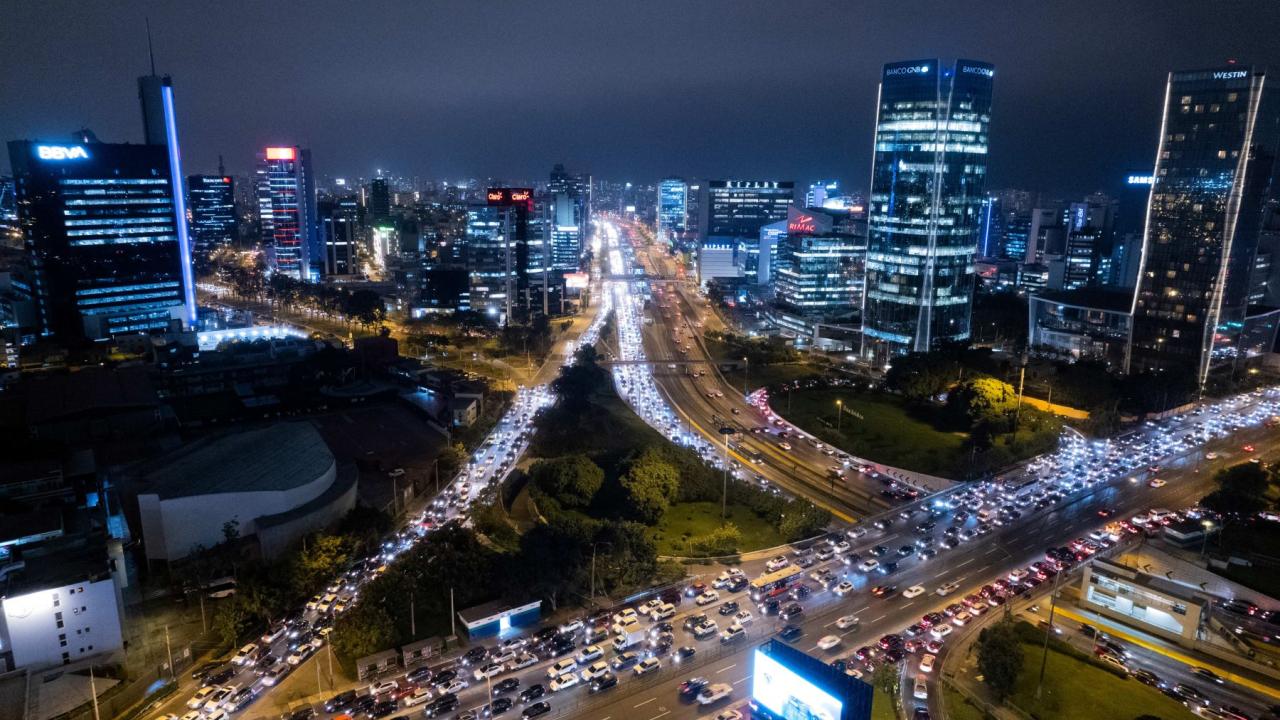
[
  {"x": 150, "y": 52},
  {"x": 221, "y": 170}
]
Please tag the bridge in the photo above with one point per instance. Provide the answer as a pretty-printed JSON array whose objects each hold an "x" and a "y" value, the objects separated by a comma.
[{"x": 656, "y": 362}]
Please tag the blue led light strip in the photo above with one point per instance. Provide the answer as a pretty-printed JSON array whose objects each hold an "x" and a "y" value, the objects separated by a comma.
[{"x": 180, "y": 205}]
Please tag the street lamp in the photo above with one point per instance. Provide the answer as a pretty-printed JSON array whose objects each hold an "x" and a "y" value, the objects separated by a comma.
[
  {"x": 839, "y": 413},
  {"x": 746, "y": 374},
  {"x": 1208, "y": 527}
]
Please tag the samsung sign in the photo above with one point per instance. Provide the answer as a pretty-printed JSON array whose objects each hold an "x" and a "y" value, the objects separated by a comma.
[
  {"x": 908, "y": 70},
  {"x": 60, "y": 152},
  {"x": 1141, "y": 180}
]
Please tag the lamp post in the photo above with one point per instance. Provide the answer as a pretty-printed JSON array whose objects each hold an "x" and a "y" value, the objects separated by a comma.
[
  {"x": 839, "y": 413},
  {"x": 1204, "y": 545},
  {"x": 746, "y": 374}
]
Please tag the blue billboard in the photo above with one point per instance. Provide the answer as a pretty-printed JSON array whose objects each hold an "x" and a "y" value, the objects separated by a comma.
[{"x": 787, "y": 684}]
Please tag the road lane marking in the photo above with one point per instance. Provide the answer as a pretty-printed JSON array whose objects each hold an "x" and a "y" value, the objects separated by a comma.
[
  {"x": 664, "y": 713},
  {"x": 725, "y": 669},
  {"x": 741, "y": 680},
  {"x": 994, "y": 548},
  {"x": 966, "y": 562},
  {"x": 646, "y": 702},
  {"x": 879, "y": 618}
]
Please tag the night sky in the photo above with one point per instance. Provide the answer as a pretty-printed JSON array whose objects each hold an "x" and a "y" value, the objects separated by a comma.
[{"x": 628, "y": 90}]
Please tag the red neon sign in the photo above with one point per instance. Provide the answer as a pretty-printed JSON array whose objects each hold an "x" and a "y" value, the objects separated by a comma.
[
  {"x": 280, "y": 153},
  {"x": 495, "y": 196},
  {"x": 520, "y": 196},
  {"x": 802, "y": 224}
]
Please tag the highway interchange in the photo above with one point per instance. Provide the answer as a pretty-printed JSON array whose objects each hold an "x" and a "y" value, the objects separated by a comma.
[{"x": 1082, "y": 478}]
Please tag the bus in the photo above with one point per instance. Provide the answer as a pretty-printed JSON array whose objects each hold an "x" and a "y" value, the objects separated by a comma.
[{"x": 769, "y": 583}]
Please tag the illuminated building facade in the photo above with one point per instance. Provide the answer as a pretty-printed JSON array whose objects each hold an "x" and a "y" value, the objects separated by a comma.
[
  {"x": 737, "y": 209},
  {"x": 287, "y": 209},
  {"x": 102, "y": 228},
  {"x": 340, "y": 232},
  {"x": 1215, "y": 162},
  {"x": 570, "y": 217},
  {"x": 673, "y": 208},
  {"x": 213, "y": 213},
  {"x": 927, "y": 179}
]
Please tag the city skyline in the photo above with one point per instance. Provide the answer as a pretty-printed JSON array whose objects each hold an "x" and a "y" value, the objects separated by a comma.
[{"x": 756, "y": 121}]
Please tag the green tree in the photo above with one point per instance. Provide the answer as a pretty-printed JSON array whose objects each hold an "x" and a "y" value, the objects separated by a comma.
[
  {"x": 1000, "y": 658},
  {"x": 316, "y": 563},
  {"x": 921, "y": 376},
  {"x": 451, "y": 460},
  {"x": 651, "y": 484},
  {"x": 364, "y": 630},
  {"x": 724, "y": 540},
  {"x": 802, "y": 519},
  {"x": 572, "y": 480},
  {"x": 885, "y": 678},
  {"x": 233, "y": 621},
  {"x": 981, "y": 400}
]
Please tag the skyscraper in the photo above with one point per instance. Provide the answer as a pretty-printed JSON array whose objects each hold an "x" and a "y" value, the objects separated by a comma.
[
  {"x": 287, "y": 208},
  {"x": 340, "y": 232},
  {"x": 737, "y": 209},
  {"x": 927, "y": 180},
  {"x": 101, "y": 224},
  {"x": 673, "y": 206},
  {"x": 570, "y": 217},
  {"x": 212, "y": 200},
  {"x": 379, "y": 201},
  {"x": 1217, "y": 156}
]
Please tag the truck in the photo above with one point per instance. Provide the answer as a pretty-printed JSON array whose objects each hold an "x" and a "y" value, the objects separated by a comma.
[{"x": 629, "y": 635}]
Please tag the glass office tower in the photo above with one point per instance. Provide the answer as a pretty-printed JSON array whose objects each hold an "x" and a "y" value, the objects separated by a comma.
[
  {"x": 737, "y": 209},
  {"x": 212, "y": 199},
  {"x": 927, "y": 180},
  {"x": 1216, "y": 158},
  {"x": 491, "y": 266},
  {"x": 287, "y": 209},
  {"x": 673, "y": 204},
  {"x": 570, "y": 196},
  {"x": 101, "y": 229}
]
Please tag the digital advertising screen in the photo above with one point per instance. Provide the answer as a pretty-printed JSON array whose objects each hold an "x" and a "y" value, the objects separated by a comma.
[{"x": 783, "y": 692}]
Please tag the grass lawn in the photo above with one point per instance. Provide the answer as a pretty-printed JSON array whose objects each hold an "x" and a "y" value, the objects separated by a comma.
[
  {"x": 765, "y": 375},
  {"x": 684, "y": 520},
  {"x": 886, "y": 431},
  {"x": 882, "y": 707},
  {"x": 958, "y": 708},
  {"x": 1074, "y": 690}
]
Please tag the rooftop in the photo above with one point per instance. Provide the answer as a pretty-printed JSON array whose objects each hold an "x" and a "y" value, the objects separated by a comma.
[
  {"x": 1114, "y": 300},
  {"x": 274, "y": 458}
]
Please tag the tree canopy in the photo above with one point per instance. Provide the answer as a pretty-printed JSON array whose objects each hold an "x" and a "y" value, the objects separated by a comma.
[{"x": 1000, "y": 658}]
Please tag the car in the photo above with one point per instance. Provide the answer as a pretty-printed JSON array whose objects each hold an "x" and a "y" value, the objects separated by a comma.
[
  {"x": 948, "y": 588},
  {"x": 417, "y": 697},
  {"x": 844, "y": 588},
  {"x": 921, "y": 689},
  {"x": 506, "y": 685},
  {"x": 453, "y": 687},
  {"x": 777, "y": 563},
  {"x": 828, "y": 642},
  {"x": 941, "y": 631},
  {"x": 488, "y": 671},
  {"x": 799, "y": 591},
  {"x": 198, "y": 700},
  {"x": 590, "y": 653},
  {"x": 743, "y": 618},
  {"x": 706, "y": 629},
  {"x": 497, "y": 707},
  {"x": 523, "y": 660},
  {"x": 790, "y": 632},
  {"x": 533, "y": 692},
  {"x": 884, "y": 590},
  {"x": 913, "y": 591},
  {"x": 729, "y": 714},
  {"x": 561, "y": 666},
  {"x": 1191, "y": 695},
  {"x": 563, "y": 682},
  {"x": 926, "y": 662},
  {"x": 728, "y": 608},
  {"x": 1208, "y": 674},
  {"x": 844, "y": 622},
  {"x": 646, "y": 666},
  {"x": 381, "y": 709},
  {"x": 244, "y": 654},
  {"x": 217, "y": 714},
  {"x": 1156, "y": 483},
  {"x": 731, "y": 633},
  {"x": 537, "y": 709},
  {"x": 441, "y": 705},
  {"x": 961, "y": 618},
  {"x": 707, "y": 598},
  {"x": 714, "y": 693},
  {"x": 1146, "y": 677},
  {"x": 690, "y": 688},
  {"x": 219, "y": 696},
  {"x": 791, "y": 611},
  {"x": 382, "y": 688},
  {"x": 595, "y": 670},
  {"x": 475, "y": 655},
  {"x": 603, "y": 682},
  {"x": 444, "y": 677},
  {"x": 684, "y": 653}
]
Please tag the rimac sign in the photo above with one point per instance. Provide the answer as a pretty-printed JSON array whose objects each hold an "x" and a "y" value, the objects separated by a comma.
[{"x": 61, "y": 152}]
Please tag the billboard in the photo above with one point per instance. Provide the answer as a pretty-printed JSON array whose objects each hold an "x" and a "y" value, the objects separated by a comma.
[{"x": 787, "y": 684}]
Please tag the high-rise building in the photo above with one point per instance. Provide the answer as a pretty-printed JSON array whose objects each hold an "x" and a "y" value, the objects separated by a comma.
[
  {"x": 379, "y": 202},
  {"x": 340, "y": 232},
  {"x": 820, "y": 192},
  {"x": 927, "y": 181},
  {"x": 695, "y": 214},
  {"x": 737, "y": 209},
  {"x": 1216, "y": 159},
  {"x": 287, "y": 209},
  {"x": 819, "y": 275},
  {"x": 490, "y": 260},
  {"x": 212, "y": 199},
  {"x": 102, "y": 225},
  {"x": 673, "y": 208},
  {"x": 570, "y": 217}
]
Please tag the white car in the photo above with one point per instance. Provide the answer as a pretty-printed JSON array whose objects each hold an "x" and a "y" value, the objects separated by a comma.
[
  {"x": 244, "y": 654},
  {"x": 948, "y": 588},
  {"x": 921, "y": 690},
  {"x": 926, "y": 662},
  {"x": 564, "y": 682},
  {"x": 941, "y": 631},
  {"x": 594, "y": 671},
  {"x": 828, "y": 642},
  {"x": 453, "y": 687},
  {"x": 743, "y": 618},
  {"x": 382, "y": 688},
  {"x": 217, "y": 714},
  {"x": 733, "y": 632},
  {"x": 572, "y": 626},
  {"x": 221, "y": 694},
  {"x": 564, "y": 665},
  {"x": 707, "y": 597},
  {"x": 729, "y": 714},
  {"x": 417, "y": 697},
  {"x": 869, "y": 565},
  {"x": 913, "y": 591},
  {"x": 725, "y": 578},
  {"x": 847, "y": 621},
  {"x": 488, "y": 671},
  {"x": 589, "y": 653},
  {"x": 198, "y": 700},
  {"x": 191, "y": 715},
  {"x": 646, "y": 666},
  {"x": 714, "y": 693},
  {"x": 523, "y": 661},
  {"x": 297, "y": 656},
  {"x": 1018, "y": 574},
  {"x": 777, "y": 564},
  {"x": 961, "y": 618},
  {"x": 844, "y": 588}
]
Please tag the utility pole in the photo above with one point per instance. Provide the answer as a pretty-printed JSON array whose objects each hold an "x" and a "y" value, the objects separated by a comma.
[
  {"x": 746, "y": 375},
  {"x": 168, "y": 650},
  {"x": 453, "y": 618},
  {"x": 413, "y": 624},
  {"x": 93, "y": 690},
  {"x": 435, "y": 465},
  {"x": 1022, "y": 376},
  {"x": 1044, "y": 658},
  {"x": 204, "y": 626},
  {"x": 839, "y": 413}
]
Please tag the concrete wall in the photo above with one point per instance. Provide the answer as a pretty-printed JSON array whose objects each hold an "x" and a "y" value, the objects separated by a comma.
[
  {"x": 90, "y": 617},
  {"x": 185, "y": 522},
  {"x": 274, "y": 540}
]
